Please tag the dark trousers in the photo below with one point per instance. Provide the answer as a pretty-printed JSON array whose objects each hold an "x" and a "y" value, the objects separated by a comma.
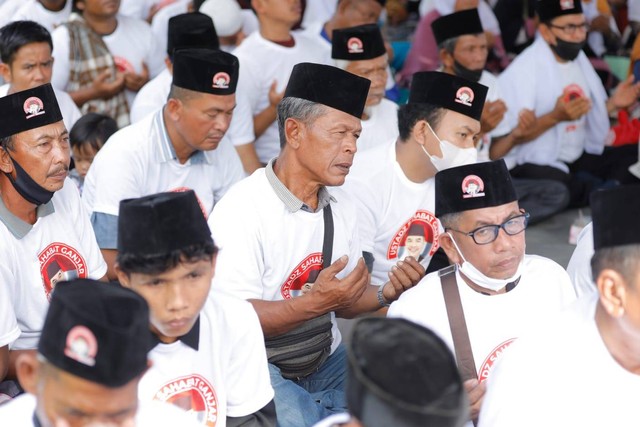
[{"x": 588, "y": 173}]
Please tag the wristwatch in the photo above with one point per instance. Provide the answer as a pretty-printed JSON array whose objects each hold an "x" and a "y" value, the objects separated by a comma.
[{"x": 381, "y": 299}]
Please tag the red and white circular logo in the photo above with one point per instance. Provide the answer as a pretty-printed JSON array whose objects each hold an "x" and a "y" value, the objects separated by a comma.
[
  {"x": 418, "y": 237},
  {"x": 566, "y": 4},
  {"x": 122, "y": 65},
  {"x": 81, "y": 345},
  {"x": 221, "y": 80},
  {"x": 465, "y": 96},
  {"x": 302, "y": 277},
  {"x": 355, "y": 45},
  {"x": 60, "y": 262},
  {"x": 194, "y": 394},
  {"x": 33, "y": 106},
  {"x": 472, "y": 186},
  {"x": 490, "y": 361}
]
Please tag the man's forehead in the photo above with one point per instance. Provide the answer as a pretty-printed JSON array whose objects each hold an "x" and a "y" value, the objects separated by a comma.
[
  {"x": 453, "y": 120},
  {"x": 572, "y": 18},
  {"x": 52, "y": 130},
  {"x": 493, "y": 214},
  {"x": 471, "y": 39},
  {"x": 364, "y": 64}
]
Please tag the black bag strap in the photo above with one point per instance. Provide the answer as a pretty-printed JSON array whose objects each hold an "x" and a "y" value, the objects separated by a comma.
[
  {"x": 327, "y": 244},
  {"x": 458, "y": 325}
]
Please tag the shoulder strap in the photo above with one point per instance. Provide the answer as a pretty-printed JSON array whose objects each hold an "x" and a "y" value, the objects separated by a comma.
[
  {"x": 327, "y": 244},
  {"x": 458, "y": 325}
]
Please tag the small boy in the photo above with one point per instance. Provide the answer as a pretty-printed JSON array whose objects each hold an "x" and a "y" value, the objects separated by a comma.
[{"x": 210, "y": 357}]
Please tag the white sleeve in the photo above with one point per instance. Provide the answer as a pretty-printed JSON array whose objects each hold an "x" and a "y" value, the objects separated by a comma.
[
  {"x": 248, "y": 380},
  {"x": 154, "y": 56},
  {"x": 231, "y": 166},
  {"x": 368, "y": 204},
  {"x": 60, "y": 74},
  {"x": 579, "y": 267},
  {"x": 241, "y": 129},
  {"x": 9, "y": 330}
]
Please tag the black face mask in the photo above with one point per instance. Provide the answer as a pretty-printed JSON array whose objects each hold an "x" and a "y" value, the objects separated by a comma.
[
  {"x": 567, "y": 50},
  {"x": 465, "y": 73},
  {"x": 30, "y": 190}
]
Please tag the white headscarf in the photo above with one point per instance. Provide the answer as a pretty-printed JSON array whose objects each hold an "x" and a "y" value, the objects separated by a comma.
[{"x": 487, "y": 17}]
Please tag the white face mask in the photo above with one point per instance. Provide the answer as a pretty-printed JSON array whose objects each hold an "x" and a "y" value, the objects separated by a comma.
[
  {"x": 477, "y": 277},
  {"x": 452, "y": 155}
]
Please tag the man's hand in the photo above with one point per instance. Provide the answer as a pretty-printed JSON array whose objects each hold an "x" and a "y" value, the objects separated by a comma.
[
  {"x": 274, "y": 96},
  {"x": 492, "y": 115},
  {"x": 133, "y": 81},
  {"x": 105, "y": 87},
  {"x": 626, "y": 94},
  {"x": 526, "y": 123},
  {"x": 567, "y": 110},
  {"x": 475, "y": 390},
  {"x": 404, "y": 275},
  {"x": 339, "y": 294}
]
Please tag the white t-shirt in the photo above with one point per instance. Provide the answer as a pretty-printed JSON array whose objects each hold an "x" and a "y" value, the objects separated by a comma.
[
  {"x": 59, "y": 246},
  {"x": 138, "y": 9},
  {"x": 68, "y": 108},
  {"x": 495, "y": 321},
  {"x": 262, "y": 62},
  {"x": 388, "y": 203},
  {"x": 138, "y": 160},
  {"x": 380, "y": 127},
  {"x": 33, "y": 10},
  {"x": 572, "y": 143},
  {"x": 19, "y": 412},
  {"x": 131, "y": 44},
  {"x": 563, "y": 375},
  {"x": 160, "y": 22},
  {"x": 268, "y": 252},
  {"x": 154, "y": 95},
  {"x": 8, "y": 9},
  {"x": 227, "y": 376},
  {"x": 579, "y": 267}
]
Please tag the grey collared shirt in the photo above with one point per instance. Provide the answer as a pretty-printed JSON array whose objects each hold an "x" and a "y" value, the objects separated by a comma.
[
  {"x": 18, "y": 227},
  {"x": 291, "y": 202}
]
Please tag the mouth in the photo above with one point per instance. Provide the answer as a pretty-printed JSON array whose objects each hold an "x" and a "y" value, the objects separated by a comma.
[
  {"x": 178, "y": 324},
  {"x": 344, "y": 167},
  {"x": 59, "y": 175}
]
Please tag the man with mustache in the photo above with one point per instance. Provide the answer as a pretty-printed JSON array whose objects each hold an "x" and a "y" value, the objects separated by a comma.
[
  {"x": 181, "y": 146},
  {"x": 42, "y": 219}
]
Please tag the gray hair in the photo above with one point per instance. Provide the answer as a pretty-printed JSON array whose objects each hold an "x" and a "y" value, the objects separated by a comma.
[
  {"x": 449, "y": 45},
  {"x": 297, "y": 108},
  {"x": 450, "y": 220},
  {"x": 7, "y": 142}
]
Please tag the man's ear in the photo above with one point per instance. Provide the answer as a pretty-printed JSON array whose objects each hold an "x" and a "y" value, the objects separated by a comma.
[
  {"x": 174, "y": 108},
  {"x": 294, "y": 132},
  {"x": 27, "y": 370},
  {"x": 446, "y": 243},
  {"x": 546, "y": 34},
  {"x": 446, "y": 58},
  {"x": 611, "y": 287},
  {"x": 5, "y": 72},
  {"x": 6, "y": 165},
  {"x": 123, "y": 277}
]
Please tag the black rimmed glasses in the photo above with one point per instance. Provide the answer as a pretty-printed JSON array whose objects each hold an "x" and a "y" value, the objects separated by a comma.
[
  {"x": 570, "y": 29},
  {"x": 488, "y": 233}
]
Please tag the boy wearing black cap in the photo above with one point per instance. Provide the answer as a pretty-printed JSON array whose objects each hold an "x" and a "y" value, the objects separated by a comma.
[
  {"x": 209, "y": 356},
  {"x": 299, "y": 260},
  {"x": 494, "y": 289},
  {"x": 42, "y": 219},
  {"x": 360, "y": 50},
  {"x": 582, "y": 367},
  {"x": 182, "y": 146},
  {"x": 91, "y": 356},
  {"x": 555, "y": 79},
  {"x": 393, "y": 184}
]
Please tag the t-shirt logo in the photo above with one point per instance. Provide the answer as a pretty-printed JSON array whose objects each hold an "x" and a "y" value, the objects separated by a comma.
[
  {"x": 60, "y": 262},
  {"x": 81, "y": 345},
  {"x": 464, "y": 96},
  {"x": 566, "y": 4},
  {"x": 194, "y": 394},
  {"x": 33, "y": 106},
  {"x": 302, "y": 277},
  {"x": 418, "y": 237},
  {"x": 490, "y": 361},
  {"x": 472, "y": 186},
  {"x": 122, "y": 65},
  {"x": 354, "y": 45},
  {"x": 221, "y": 80}
]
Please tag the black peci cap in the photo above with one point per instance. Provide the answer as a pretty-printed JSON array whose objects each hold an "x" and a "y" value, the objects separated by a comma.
[
  {"x": 28, "y": 109},
  {"x": 192, "y": 29},
  {"x": 357, "y": 43},
  {"x": 205, "y": 70}
]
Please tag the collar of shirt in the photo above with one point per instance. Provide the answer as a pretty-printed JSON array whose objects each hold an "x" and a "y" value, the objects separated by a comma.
[
  {"x": 191, "y": 338},
  {"x": 291, "y": 202},
  {"x": 18, "y": 227},
  {"x": 165, "y": 151}
]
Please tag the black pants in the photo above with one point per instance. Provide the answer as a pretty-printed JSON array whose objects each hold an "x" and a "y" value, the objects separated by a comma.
[{"x": 590, "y": 172}]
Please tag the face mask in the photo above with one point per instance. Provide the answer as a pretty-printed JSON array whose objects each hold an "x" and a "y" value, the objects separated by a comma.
[
  {"x": 466, "y": 73},
  {"x": 567, "y": 50},
  {"x": 30, "y": 190},
  {"x": 480, "y": 279},
  {"x": 452, "y": 155}
]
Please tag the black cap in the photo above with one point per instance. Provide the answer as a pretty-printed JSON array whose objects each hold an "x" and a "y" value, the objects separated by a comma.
[
  {"x": 448, "y": 91},
  {"x": 615, "y": 216},
  {"x": 97, "y": 331},
  {"x": 329, "y": 86},
  {"x": 205, "y": 70},
  {"x": 193, "y": 29},
  {"x": 402, "y": 374},
  {"x": 29, "y": 109},
  {"x": 357, "y": 43},
  {"x": 549, "y": 9},
  {"x": 161, "y": 223},
  {"x": 474, "y": 186},
  {"x": 456, "y": 24}
]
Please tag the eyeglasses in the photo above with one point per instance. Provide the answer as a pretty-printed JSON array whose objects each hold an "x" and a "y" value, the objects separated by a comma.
[
  {"x": 570, "y": 29},
  {"x": 488, "y": 233}
]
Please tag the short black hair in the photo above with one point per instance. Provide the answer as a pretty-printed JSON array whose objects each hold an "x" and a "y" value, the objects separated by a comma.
[
  {"x": 19, "y": 33},
  {"x": 410, "y": 114},
  {"x": 92, "y": 129},
  {"x": 158, "y": 264},
  {"x": 7, "y": 143},
  {"x": 624, "y": 259}
]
